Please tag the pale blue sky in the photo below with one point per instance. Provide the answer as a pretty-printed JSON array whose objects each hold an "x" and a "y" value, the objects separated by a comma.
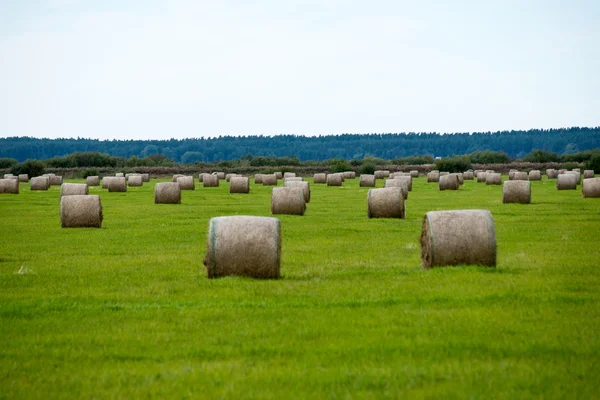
[{"x": 174, "y": 69}]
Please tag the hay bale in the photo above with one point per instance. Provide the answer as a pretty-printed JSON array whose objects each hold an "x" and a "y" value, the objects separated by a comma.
[
  {"x": 81, "y": 211},
  {"x": 23, "y": 178},
  {"x": 220, "y": 175},
  {"x": 458, "y": 237},
  {"x": 239, "y": 184},
  {"x": 386, "y": 203},
  {"x": 334, "y": 180},
  {"x": 117, "y": 185},
  {"x": 243, "y": 246},
  {"x": 127, "y": 176},
  {"x": 561, "y": 171},
  {"x": 566, "y": 182},
  {"x": 119, "y": 175},
  {"x": 349, "y": 174},
  {"x": 367, "y": 180},
  {"x": 136, "y": 180},
  {"x": 301, "y": 184},
  {"x": 289, "y": 175},
  {"x": 380, "y": 174},
  {"x": 516, "y": 191},
  {"x": 258, "y": 178},
  {"x": 477, "y": 171},
  {"x": 578, "y": 170},
  {"x": 588, "y": 173},
  {"x": 210, "y": 180},
  {"x": 551, "y": 173},
  {"x": 293, "y": 179},
  {"x": 490, "y": 171},
  {"x": 519, "y": 176},
  {"x": 269, "y": 180},
  {"x": 175, "y": 177},
  {"x": 576, "y": 174},
  {"x": 481, "y": 176},
  {"x": 106, "y": 180},
  {"x": 39, "y": 183},
  {"x": 591, "y": 187},
  {"x": 535, "y": 175},
  {"x": 493, "y": 178},
  {"x": 468, "y": 175},
  {"x": 186, "y": 182},
  {"x": 459, "y": 175},
  {"x": 511, "y": 174},
  {"x": 229, "y": 176},
  {"x": 444, "y": 173},
  {"x": 168, "y": 193},
  {"x": 433, "y": 176},
  {"x": 9, "y": 186},
  {"x": 92, "y": 180},
  {"x": 414, "y": 173},
  {"x": 278, "y": 175},
  {"x": 73, "y": 189},
  {"x": 10, "y": 176},
  {"x": 449, "y": 182},
  {"x": 145, "y": 177},
  {"x": 288, "y": 200},
  {"x": 397, "y": 182},
  {"x": 320, "y": 178},
  {"x": 55, "y": 180}
]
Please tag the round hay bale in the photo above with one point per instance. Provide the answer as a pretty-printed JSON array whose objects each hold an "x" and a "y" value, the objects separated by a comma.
[
  {"x": 92, "y": 180},
  {"x": 477, "y": 171},
  {"x": 23, "y": 178},
  {"x": 186, "y": 182},
  {"x": 397, "y": 182},
  {"x": 458, "y": 237},
  {"x": 209, "y": 180},
  {"x": 136, "y": 180},
  {"x": 301, "y": 184},
  {"x": 516, "y": 192},
  {"x": 278, "y": 175},
  {"x": 481, "y": 176},
  {"x": 493, "y": 178},
  {"x": 106, "y": 181},
  {"x": 444, "y": 173},
  {"x": 10, "y": 176},
  {"x": 519, "y": 176},
  {"x": 200, "y": 177},
  {"x": 561, "y": 171},
  {"x": 120, "y": 175},
  {"x": 490, "y": 171},
  {"x": 175, "y": 177},
  {"x": 566, "y": 182},
  {"x": 386, "y": 203},
  {"x": 349, "y": 175},
  {"x": 243, "y": 246},
  {"x": 511, "y": 174},
  {"x": 9, "y": 186},
  {"x": 39, "y": 183},
  {"x": 334, "y": 180},
  {"x": 239, "y": 184},
  {"x": 578, "y": 170},
  {"x": 258, "y": 178},
  {"x": 449, "y": 182},
  {"x": 168, "y": 193},
  {"x": 56, "y": 180},
  {"x": 117, "y": 185},
  {"x": 220, "y": 175},
  {"x": 591, "y": 187},
  {"x": 81, "y": 211},
  {"x": 229, "y": 176},
  {"x": 145, "y": 177},
  {"x": 72, "y": 189},
  {"x": 320, "y": 178},
  {"x": 414, "y": 173},
  {"x": 288, "y": 200},
  {"x": 293, "y": 179},
  {"x": 576, "y": 174},
  {"x": 433, "y": 176},
  {"x": 588, "y": 173},
  {"x": 269, "y": 180},
  {"x": 468, "y": 175},
  {"x": 535, "y": 175},
  {"x": 380, "y": 174},
  {"x": 551, "y": 173},
  {"x": 49, "y": 174},
  {"x": 367, "y": 180},
  {"x": 459, "y": 175},
  {"x": 289, "y": 175}
]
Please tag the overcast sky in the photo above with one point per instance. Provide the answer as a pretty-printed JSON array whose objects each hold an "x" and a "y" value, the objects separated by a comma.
[{"x": 152, "y": 69}]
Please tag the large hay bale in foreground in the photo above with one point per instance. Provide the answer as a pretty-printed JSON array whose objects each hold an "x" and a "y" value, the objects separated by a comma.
[
  {"x": 399, "y": 183},
  {"x": 449, "y": 182},
  {"x": 588, "y": 173},
  {"x": 493, "y": 178},
  {"x": 535, "y": 175},
  {"x": 566, "y": 181},
  {"x": 551, "y": 173},
  {"x": 92, "y": 180},
  {"x": 288, "y": 200},
  {"x": 516, "y": 191},
  {"x": 9, "y": 186},
  {"x": 39, "y": 183},
  {"x": 269, "y": 180},
  {"x": 481, "y": 176},
  {"x": 55, "y": 180},
  {"x": 209, "y": 180},
  {"x": 186, "y": 182},
  {"x": 320, "y": 178},
  {"x": 301, "y": 184},
  {"x": 367, "y": 180},
  {"x": 468, "y": 175},
  {"x": 433, "y": 176},
  {"x": 386, "y": 203},
  {"x": 258, "y": 178},
  {"x": 334, "y": 180},
  {"x": 591, "y": 187},
  {"x": 81, "y": 211},
  {"x": 168, "y": 193},
  {"x": 289, "y": 175},
  {"x": 458, "y": 237},
  {"x": 349, "y": 174},
  {"x": 239, "y": 184},
  {"x": 23, "y": 178},
  {"x": 72, "y": 189},
  {"x": 136, "y": 180},
  {"x": 243, "y": 245},
  {"x": 519, "y": 176},
  {"x": 117, "y": 184}
]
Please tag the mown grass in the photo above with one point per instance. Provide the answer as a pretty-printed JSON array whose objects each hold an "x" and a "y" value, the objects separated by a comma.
[{"x": 127, "y": 311}]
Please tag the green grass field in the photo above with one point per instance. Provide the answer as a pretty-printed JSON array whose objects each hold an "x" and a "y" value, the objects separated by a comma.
[{"x": 127, "y": 311}]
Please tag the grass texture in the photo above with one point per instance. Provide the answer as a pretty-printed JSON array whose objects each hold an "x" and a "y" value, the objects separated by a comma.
[{"x": 127, "y": 311}]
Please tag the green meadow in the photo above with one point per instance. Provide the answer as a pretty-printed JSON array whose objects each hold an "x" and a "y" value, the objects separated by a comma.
[{"x": 126, "y": 311}]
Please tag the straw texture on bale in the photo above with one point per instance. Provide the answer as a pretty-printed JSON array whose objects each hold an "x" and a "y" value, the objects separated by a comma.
[
  {"x": 239, "y": 184},
  {"x": 293, "y": 179},
  {"x": 588, "y": 173},
  {"x": 477, "y": 171},
  {"x": 92, "y": 180},
  {"x": 220, "y": 175},
  {"x": 493, "y": 178},
  {"x": 379, "y": 174},
  {"x": 209, "y": 180},
  {"x": 55, "y": 180},
  {"x": 468, "y": 176},
  {"x": 442, "y": 173},
  {"x": 551, "y": 173},
  {"x": 449, "y": 182},
  {"x": 301, "y": 184},
  {"x": 289, "y": 175},
  {"x": 23, "y": 178},
  {"x": 481, "y": 176},
  {"x": 576, "y": 174},
  {"x": 386, "y": 203},
  {"x": 175, "y": 176},
  {"x": 106, "y": 180},
  {"x": 433, "y": 176},
  {"x": 566, "y": 182},
  {"x": 562, "y": 171},
  {"x": 243, "y": 246},
  {"x": 145, "y": 177},
  {"x": 320, "y": 178},
  {"x": 278, "y": 175},
  {"x": 414, "y": 173},
  {"x": 334, "y": 180},
  {"x": 288, "y": 200},
  {"x": 10, "y": 176},
  {"x": 458, "y": 237},
  {"x": 407, "y": 179},
  {"x": 591, "y": 187},
  {"x": 511, "y": 174},
  {"x": 518, "y": 176},
  {"x": 71, "y": 189},
  {"x": 535, "y": 175},
  {"x": 39, "y": 183},
  {"x": 349, "y": 175},
  {"x": 258, "y": 178},
  {"x": 516, "y": 192},
  {"x": 367, "y": 180},
  {"x": 578, "y": 170},
  {"x": 9, "y": 186},
  {"x": 120, "y": 175},
  {"x": 186, "y": 182},
  {"x": 489, "y": 171},
  {"x": 229, "y": 176},
  {"x": 117, "y": 185},
  {"x": 397, "y": 182},
  {"x": 167, "y": 193},
  {"x": 81, "y": 211},
  {"x": 136, "y": 180},
  {"x": 269, "y": 180},
  {"x": 459, "y": 175}
]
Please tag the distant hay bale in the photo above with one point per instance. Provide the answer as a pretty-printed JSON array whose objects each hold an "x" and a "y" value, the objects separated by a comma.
[
  {"x": 243, "y": 246},
  {"x": 511, "y": 174},
  {"x": 367, "y": 180},
  {"x": 278, "y": 175},
  {"x": 10, "y": 176},
  {"x": 293, "y": 179},
  {"x": 120, "y": 175},
  {"x": 49, "y": 174},
  {"x": 516, "y": 191},
  {"x": 398, "y": 182},
  {"x": 229, "y": 176},
  {"x": 490, "y": 171},
  {"x": 239, "y": 184},
  {"x": 414, "y": 173},
  {"x": 175, "y": 177},
  {"x": 186, "y": 182},
  {"x": 442, "y": 173},
  {"x": 349, "y": 175},
  {"x": 551, "y": 173},
  {"x": 117, "y": 185},
  {"x": 93, "y": 180},
  {"x": 320, "y": 178},
  {"x": 334, "y": 180},
  {"x": 578, "y": 170},
  {"x": 220, "y": 175},
  {"x": 56, "y": 180},
  {"x": 468, "y": 176},
  {"x": 576, "y": 174},
  {"x": 449, "y": 182},
  {"x": 458, "y": 237},
  {"x": 39, "y": 183},
  {"x": 81, "y": 211},
  {"x": 289, "y": 175},
  {"x": 561, "y": 171},
  {"x": 200, "y": 177},
  {"x": 566, "y": 182},
  {"x": 459, "y": 175},
  {"x": 168, "y": 193},
  {"x": 477, "y": 171},
  {"x": 493, "y": 178},
  {"x": 9, "y": 186},
  {"x": 433, "y": 176},
  {"x": 380, "y": 174},
  {"x": 23, "y": 178},
  {"x": 145, "y": 177},
  {"x": 106, "y": 180},
  {"x": 481, "y": 176},
  {"x": 519, "y": 176},
  {"x": 127, "y": 176},
  {"x": 386, "y": 203},
  {"x": 258, "y": 178},
  {"x": 136, "y": 180},
  {"x": 72, "y": 189},
  {"x": 588, "y": 173},
  {"x": 288, "y": 200},
  {"x": 535, "y": 175},
  {"x": 210, "y": 180},
  {"x": 591, "y": 187},
  {"x": 305, "y": 186},
  {"x": 269, "y": 180}
]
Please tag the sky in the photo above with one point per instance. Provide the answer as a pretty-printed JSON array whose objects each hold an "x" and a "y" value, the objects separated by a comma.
[{"x": 149, "y": 69}]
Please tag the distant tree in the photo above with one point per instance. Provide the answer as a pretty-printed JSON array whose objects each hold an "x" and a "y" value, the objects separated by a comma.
[
  {"x": 367, "y": 168},
  {"x": 541, "y": 156},
  {"x": 7, "y": 162},
  {"x": 29, "y": 167},
  {"x": 338, "y": 165},
  {"x": 594, "y": 163},
  {"x": 453, "y": 164},
  {"x": 489, "y": 157},
  {"x": 191, "y": 157}
]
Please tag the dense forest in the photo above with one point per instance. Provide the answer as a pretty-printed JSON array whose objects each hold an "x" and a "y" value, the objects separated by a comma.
[{"x": 515, "y": 144}]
